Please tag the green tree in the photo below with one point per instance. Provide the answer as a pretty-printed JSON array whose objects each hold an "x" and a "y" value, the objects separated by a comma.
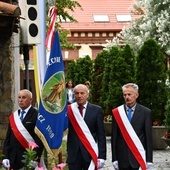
[
  {"x": 153, "y": 23},
  {"x": 84, "y": 68},
  {"x": 122, "y": 72},
  {"x": 81, "y": 70},
  {"x": 114, "y": 85},
  {"x": 130, "y": 61},
  {"x": 71, "y": 70},
  {"x": 151, "y": 77},
  {"x": 97, "y": 76},
  {"x": 119, "y": 68},
  {"x": 105, "y": 82}
]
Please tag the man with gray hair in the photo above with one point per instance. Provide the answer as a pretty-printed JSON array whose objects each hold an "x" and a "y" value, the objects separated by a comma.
[
  {"x": 131, "y": 138},
  {"x": 86, "y": 144},
  {"x": 21, "y": 132}
]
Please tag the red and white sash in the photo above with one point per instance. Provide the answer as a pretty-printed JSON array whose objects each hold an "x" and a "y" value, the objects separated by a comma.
[
  {"x": 84, "y": 134},
  {"x": 131, "y": 138},
  {"x": 22, "y": 134},
  {"x": 19, "y": 130}
]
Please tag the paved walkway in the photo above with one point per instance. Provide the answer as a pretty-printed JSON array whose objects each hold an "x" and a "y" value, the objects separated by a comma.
[{"x": 161, "y": 158}]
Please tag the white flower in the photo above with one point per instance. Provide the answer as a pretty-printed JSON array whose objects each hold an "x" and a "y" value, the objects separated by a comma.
[{"x": 111, "y": 43}]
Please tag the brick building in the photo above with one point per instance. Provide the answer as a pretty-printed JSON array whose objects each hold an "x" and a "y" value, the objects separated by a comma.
[{"x": 100, "y": 20}]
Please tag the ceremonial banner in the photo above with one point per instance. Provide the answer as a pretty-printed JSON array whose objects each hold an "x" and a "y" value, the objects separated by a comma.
[{"x": 52, "y": 118}]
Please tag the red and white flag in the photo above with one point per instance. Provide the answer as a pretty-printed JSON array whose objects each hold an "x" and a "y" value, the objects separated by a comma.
[{"x": 52, "y": 13}]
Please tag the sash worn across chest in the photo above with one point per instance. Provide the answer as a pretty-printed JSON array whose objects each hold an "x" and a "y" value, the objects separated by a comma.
[
  {"x": 19, "y": 130},
  {"x": 84, "y": 134},
  {"x": 22, "y": 134},
  {"x": 130, "y": 136}
]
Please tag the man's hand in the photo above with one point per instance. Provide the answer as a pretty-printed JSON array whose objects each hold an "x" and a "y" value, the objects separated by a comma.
[
  {"x": 149, "y": 165},
  {"x": 6, "y": 163},
  {"x": 115, "y": 165},
  {"x": 101, "y": 163}
]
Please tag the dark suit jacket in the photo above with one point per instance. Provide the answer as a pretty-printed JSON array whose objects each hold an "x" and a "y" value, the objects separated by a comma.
[
  {"x": 94, "y": 120},
  {"x": 13, "y": 150},
  {"x": 142, "y": 125}
]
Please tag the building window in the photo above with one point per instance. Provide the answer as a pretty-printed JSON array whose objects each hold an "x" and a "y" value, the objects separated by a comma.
[
  {"x": 123, "y": 18},
  {"x": 101, "y": 18}
]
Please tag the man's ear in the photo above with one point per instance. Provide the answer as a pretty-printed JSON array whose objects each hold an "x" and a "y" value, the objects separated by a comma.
[{"x": 137, "y": 95}]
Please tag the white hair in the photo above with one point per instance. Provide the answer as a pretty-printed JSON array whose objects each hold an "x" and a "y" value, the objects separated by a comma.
[
  {"x": 133, "y": 85},
  {"x": 27, "y": 91},
  {"x": 81, "y": 85}
]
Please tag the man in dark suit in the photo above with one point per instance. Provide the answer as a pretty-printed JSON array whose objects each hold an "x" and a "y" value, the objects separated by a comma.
[
  {"x": 86, "y": 143},
  {"x": 132, "y": 133},
  {"x": 21, "y": 132}
]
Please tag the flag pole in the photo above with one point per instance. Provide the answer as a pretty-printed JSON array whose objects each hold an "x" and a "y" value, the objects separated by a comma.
[
  {"x": 41, "y": 50},
  {"x": 52, "y": 3},
  {"x": 36, "y": 76}
]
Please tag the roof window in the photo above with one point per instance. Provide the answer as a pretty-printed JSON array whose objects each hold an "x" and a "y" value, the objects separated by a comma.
[
  {"x": 123, "y": 18},
  {"x": 101, "y": 18}
]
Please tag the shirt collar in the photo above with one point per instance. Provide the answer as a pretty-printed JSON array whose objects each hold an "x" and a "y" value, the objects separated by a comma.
[
  {"x": 26, "y": 110},
  {"x": 85, "y": 105},
  {"x": 133, "y": 108}
]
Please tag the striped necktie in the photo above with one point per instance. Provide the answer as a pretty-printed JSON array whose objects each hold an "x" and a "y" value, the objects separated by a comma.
[{"x": 22, "y": 115}]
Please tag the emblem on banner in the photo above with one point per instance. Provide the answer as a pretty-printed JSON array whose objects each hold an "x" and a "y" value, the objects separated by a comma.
[{"x": 54, "y": 93}]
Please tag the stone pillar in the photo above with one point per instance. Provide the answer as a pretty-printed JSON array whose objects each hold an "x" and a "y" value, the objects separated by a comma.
[{"x": 7, "y": 86}]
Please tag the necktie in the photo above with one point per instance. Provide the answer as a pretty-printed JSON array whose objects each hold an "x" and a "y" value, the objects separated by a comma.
[
  {"x": 22, "y": 115},
  {"x": 81, "y": 107},
  {"x": 129, "y": 114}
]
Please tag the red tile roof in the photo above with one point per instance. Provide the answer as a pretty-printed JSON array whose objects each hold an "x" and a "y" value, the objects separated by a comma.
[{"x": 90, "y": 7}]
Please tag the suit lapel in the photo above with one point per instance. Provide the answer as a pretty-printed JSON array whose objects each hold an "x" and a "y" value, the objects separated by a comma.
[
  {"x": 136, "y": 114},
  {"x": 87, "y": 112},
  {"x": 28, "y": 115}
]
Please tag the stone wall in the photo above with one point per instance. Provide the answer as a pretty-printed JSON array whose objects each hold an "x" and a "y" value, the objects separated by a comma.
[{"x": 6, "y": 86}]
